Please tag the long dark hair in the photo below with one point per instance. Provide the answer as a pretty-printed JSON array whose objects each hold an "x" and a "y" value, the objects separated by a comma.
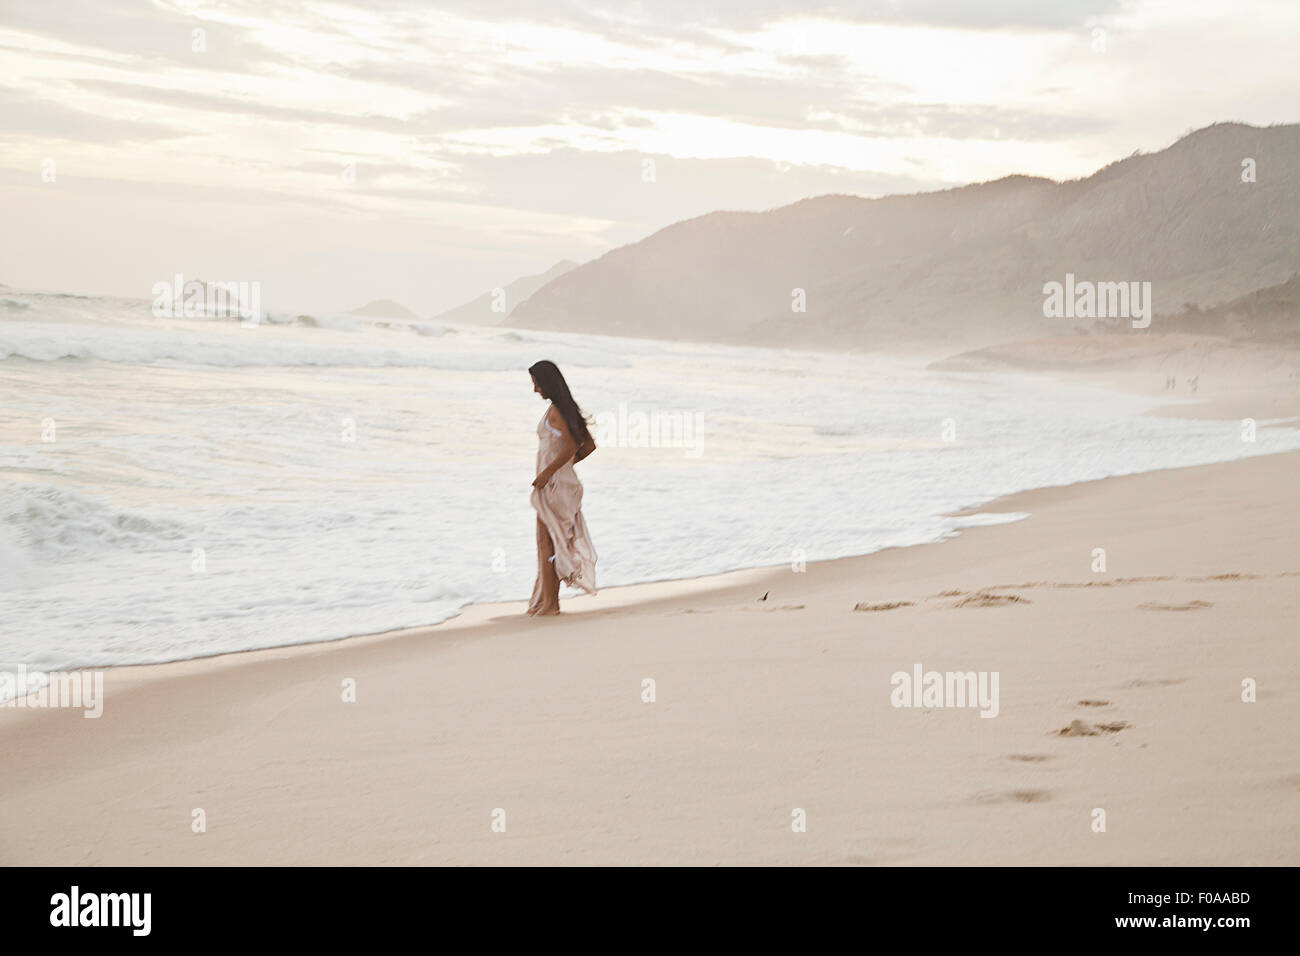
[{"x": 551, "y": 381}]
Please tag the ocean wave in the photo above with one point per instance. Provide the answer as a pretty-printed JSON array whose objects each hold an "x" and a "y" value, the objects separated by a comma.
[
  {"x": 49, "y": 342},
  {"x": 15, "y": 567},
  {"x": 336, "y": 322},
  {"x": 45, "y": 524}
]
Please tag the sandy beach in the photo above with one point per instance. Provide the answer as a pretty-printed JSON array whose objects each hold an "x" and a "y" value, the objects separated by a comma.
[
  {"x": 618, "y": 435},
  {"x": 772, "y": 695}
]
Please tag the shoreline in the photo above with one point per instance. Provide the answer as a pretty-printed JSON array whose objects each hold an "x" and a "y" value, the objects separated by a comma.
[
  {"x": 651, "y": 592},
  {"x": 1214, "y": 406},
  {"x": 761, "y": 706},
  {"x": 477, "y": 614},
  {"x": 1120, "y": 691}
]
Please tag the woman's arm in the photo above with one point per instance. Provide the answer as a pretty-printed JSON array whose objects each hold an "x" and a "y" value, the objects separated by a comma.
[{"x": 568, "y": 448}]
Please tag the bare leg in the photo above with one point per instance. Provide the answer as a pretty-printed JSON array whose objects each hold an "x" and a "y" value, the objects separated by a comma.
[
  {"x": 546, "y": 590},
  {"x": 536, "y": 601}
]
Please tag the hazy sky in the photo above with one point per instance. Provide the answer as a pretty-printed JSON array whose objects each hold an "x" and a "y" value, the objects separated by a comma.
[{"x": 491, "y": 138}]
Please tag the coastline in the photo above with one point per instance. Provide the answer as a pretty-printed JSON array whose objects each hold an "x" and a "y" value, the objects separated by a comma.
[
  {"x": 1229, "y": 398},
  {"x": 762, "y": 706},
  {"x": 944, "y": 364}
]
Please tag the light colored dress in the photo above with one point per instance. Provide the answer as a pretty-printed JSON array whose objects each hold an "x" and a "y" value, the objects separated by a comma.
[{"x": 559, "y": 506}]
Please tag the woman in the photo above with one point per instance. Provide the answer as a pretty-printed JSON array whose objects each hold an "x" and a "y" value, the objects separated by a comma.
[{"x": 564, "y": 550}]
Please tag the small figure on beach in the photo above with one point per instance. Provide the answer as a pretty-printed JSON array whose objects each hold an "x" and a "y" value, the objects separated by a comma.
[{"x": 564, "y": 549}]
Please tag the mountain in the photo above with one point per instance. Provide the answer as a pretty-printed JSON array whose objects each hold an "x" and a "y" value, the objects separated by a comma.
[
  {"x": 384, "y": 309},
  {"x": 480, "y": 312},
  {"x": 961, "y": 267},
  {"x": 1265, "y": 316}
]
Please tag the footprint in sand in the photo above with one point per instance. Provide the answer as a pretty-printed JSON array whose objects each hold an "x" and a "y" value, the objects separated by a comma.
[
  {"x": 1189, "y": 606},
  {"x": 1059, "y": 585},
  {"x": 1014, "y": 796},
  {"x": 1081, "y": 728},
  {"x": 984, "y": 599},
  {"x": 883, "y": 607}
]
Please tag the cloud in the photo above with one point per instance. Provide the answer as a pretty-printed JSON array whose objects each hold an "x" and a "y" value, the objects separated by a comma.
[
  {"x": 699, "y": 19},
  {"x": 28, "y": 117},
  {"x": 151, "y": 35},
  {"x": 613, "y": 186},
  {"x": 242, "y": 107},
  {"x": 505, "y": 127}
]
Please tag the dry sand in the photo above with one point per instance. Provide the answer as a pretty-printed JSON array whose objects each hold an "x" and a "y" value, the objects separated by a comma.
[
  {"x": 1193, "y": 376},
  {"x": 762, "y": 707}
]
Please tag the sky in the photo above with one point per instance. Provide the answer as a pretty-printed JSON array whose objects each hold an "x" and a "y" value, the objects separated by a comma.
[{"x": 340, "y": 152}]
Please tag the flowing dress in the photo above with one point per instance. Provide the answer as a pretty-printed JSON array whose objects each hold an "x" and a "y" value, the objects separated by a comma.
[{"x": 559, "y": 506}]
